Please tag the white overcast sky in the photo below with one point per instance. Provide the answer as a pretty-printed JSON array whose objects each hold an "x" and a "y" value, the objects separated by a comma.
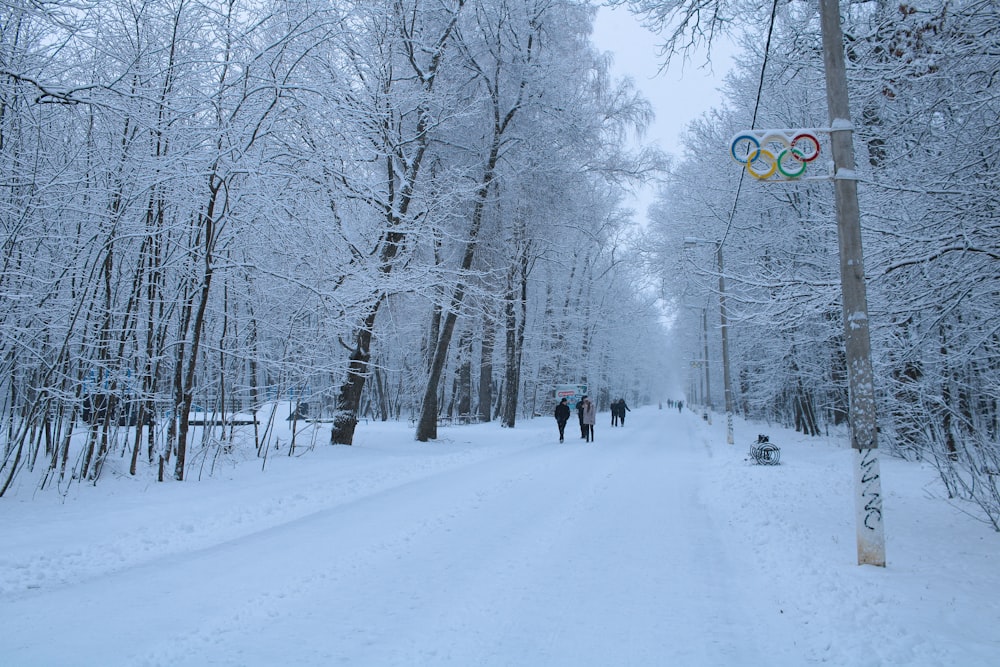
[{"x": 678, "y": 95}]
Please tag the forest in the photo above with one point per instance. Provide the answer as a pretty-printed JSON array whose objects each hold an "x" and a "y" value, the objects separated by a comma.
[
  {"x": 924, "y": 89},
  {"x": 417, "y": 210},
  {"x": 362, "y": 209}
]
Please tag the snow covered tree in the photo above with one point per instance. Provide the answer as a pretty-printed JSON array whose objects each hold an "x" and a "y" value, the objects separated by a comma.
[{"x": 920, "y": 89}]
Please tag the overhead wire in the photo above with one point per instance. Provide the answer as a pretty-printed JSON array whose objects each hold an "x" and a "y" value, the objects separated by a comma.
[{"x": 753, "y": 121}]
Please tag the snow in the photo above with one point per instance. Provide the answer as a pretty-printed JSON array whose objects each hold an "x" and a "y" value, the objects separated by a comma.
[{"x": 658, "y": 544}]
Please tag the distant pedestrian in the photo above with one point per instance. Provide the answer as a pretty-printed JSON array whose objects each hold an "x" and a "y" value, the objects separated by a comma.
[
  {"x": 589, "y": 418},
  {"x": 614, "y": 414},
  {"x": 579, "y": 413},
  {"x": 562, "y": 416},
  {"x": 680, "y": 406},
  {"x": 622, "y": 409}
]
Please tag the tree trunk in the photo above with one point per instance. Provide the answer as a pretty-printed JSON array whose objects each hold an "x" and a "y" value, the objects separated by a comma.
[
  {"x": 464, "y": 380},
  {"x": 349, "y": 399},
  {"x": 516, "y": 321},
  {"x": 511, "y": 367},
  {"x": 486, "y": 367}
]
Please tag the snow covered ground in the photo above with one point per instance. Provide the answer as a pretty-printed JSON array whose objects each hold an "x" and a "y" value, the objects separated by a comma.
[{"x": 656, "y": 545}]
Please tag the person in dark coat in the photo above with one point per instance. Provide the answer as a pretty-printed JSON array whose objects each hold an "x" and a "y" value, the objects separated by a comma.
[
  {"x": 579, "y": 413},
  {"x": 622, "y": 409},
  {"x": 562, "y": 416},
  {"x": 589, "y": 419},
  {"x": 614, "y": 413}
]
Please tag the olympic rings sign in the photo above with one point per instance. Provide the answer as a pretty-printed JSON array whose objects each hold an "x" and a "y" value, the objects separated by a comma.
[{"x": 765, "y": 153}]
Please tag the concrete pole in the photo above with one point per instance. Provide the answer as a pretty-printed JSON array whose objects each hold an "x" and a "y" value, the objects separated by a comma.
[
  {"x": 708, "y": 382},
  {"x": 725, "y": 345},
  {"x": 864, "y": 441}
]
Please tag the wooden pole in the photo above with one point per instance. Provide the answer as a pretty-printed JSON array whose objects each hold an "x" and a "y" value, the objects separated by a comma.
[{"x": 864, "y": 440}]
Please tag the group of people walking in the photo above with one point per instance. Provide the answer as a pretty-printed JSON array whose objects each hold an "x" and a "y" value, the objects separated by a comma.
[
  {"x": 618, "y": 410},
  {"x": 587, "y": 413}
]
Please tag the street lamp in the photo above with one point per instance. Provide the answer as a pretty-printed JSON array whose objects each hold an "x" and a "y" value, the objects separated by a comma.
[{"x": 690, "y": 242}]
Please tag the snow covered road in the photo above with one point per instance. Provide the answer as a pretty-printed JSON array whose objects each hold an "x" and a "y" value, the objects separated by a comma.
[
  {"x": 489, "y": 547},
  {"x": 539, "y": 553}
]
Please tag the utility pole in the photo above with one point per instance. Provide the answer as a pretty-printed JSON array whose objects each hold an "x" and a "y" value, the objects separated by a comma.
[
  {"x": 864, "y": 440},
  {"x": 690, "y": 242},
  {"x": 708, "y": 384},
  {"x": 725, "y": 345}
]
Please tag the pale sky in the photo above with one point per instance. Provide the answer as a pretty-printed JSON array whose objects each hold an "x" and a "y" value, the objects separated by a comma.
[{"x": 678, "y": 95}]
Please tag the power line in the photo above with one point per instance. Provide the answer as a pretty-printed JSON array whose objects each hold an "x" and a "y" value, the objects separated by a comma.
[{"x": 753, "y": 122}]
